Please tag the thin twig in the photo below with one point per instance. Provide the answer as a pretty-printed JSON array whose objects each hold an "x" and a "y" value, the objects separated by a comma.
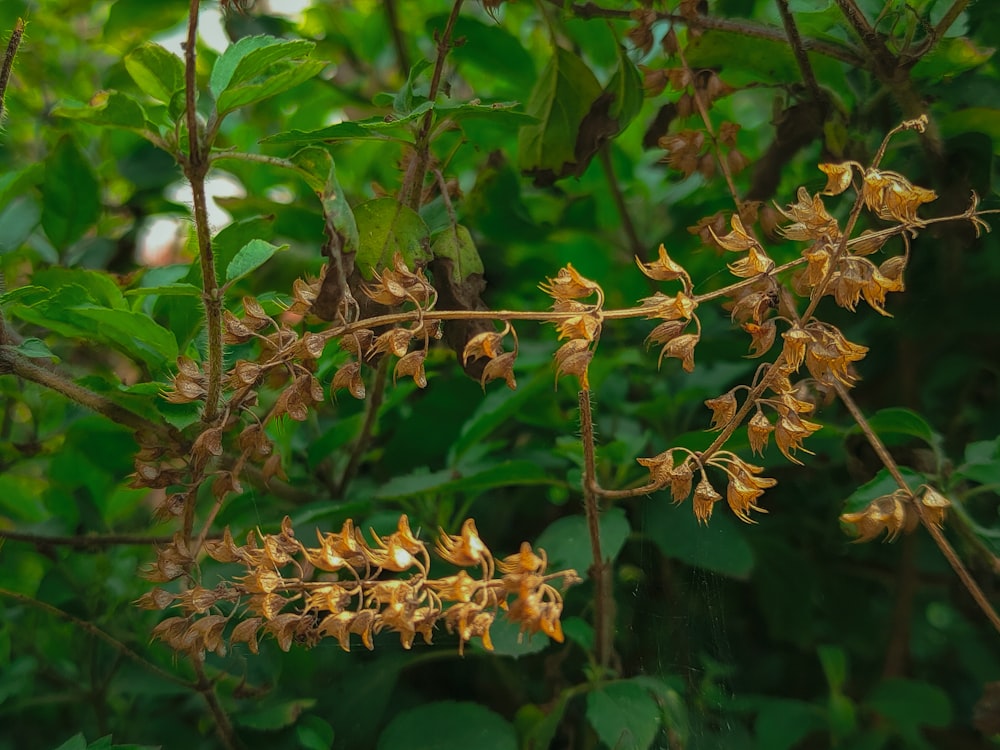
[
  {"x": 801, "y": 56},
  {"x": 13, "y": 362},
  {"x": 599, "y": 570},
  {"x": 411, "y": 192},
  {"x": 398, "y": 41},
  {"x": 8, "y": 60},
  {"x": 936, "y": 534},
  {"x": 96, "y": 632},
  {"x": 713, "y": 23},
  {"x": 372, "y": 406},
  {"x": 84, "y": 542},
  {"x": 883, "y": 59},
  {"x": 223, "y": 726},
  {"x": 636, "y": 246},
  {"x": 196, "y": 165}
]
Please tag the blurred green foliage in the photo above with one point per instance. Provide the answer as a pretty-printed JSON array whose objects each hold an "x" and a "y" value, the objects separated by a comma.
[{"x": 771, "y": 636}]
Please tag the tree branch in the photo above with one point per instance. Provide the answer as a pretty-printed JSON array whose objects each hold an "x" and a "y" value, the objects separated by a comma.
[
  {"x": 195, "y": 166},
  {"x": 728, "y": 25},
  {"x": 96, "y": 632},
  {"x": 411, "y": 192},
  {"x": 801, "y": 57},
  {"x": 83, "y": 541},
  {"x": 398, "y": 41},
  {"x": 13, "y": 362},
  {"x": 8, "y": 61}
]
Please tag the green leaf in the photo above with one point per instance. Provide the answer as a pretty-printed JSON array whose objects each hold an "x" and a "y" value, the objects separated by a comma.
[
  {"x": 719, "y": 546},
  {"x": 258, "y": 67},
  {"x": 455, "y": 244},
  {"x": 251, "y": 257},
  {"x": 274, "y": 717},
  {"x": 76, "y": 742},
  {"x": 111, "y": 108},
  {"x": 949, "y": 58},
  {"x": 445, "y": 725},
  {"x": 319, "y": 165},
  {"x": 881, "y": 484},
  {"x": 156, "y": 71},
  {"x": 402, "y": 102},
  {"x": 71, "y": 197},
  {"x": 559, "y": 101},
  {"x": 910, "y": 703},
  {"x": 314, "y": 733},
  {"x": 972, "y": 120},
  {"x": 492, "y": 50},
  {"x": 782, "y": 724},
  {"x": 134, "y": 333},
  {"x": 624, "y": 715},
  {"x": 22, "y": 497},
  {"x": 17, "y": 182},
  {"x": 253, "y": 56},
  {"x": 567, "y": 540},
  {"x": 982, "y": 462},
  {"x": 36, "y": 348},
  {"x": 626, "y": 86},
  {"x": 99, "y": 286},
  {"x": 140, "y": 19},
  {"x": 539, "y": 727},
  {"x": 230, "y": 240},
  {"x": 287, "y": 76},
  {"x": 899, "y": 421},
  {"x": 180, "y": 289},
  {"x": 508, "y": 640},
  {"x": 386, "y": 228},
  {"x": 497, "y": 113},
  {"x": 466, "y": 479},
  {"x": 834, "y": 663},
  {"x": 372, "y": 128},
  {"x": 745, "y": 57},
  {"x": 498, "y": 407}
]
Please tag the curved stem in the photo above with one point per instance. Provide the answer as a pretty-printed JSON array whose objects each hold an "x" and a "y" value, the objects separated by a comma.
[{"x": 411, "y": 193}]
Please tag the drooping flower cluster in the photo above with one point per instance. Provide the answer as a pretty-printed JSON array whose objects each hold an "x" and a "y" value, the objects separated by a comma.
[
  {"x": 581, "y": 324},
  {"x": 743, "y": 483},
  {"x": 897, "y": 512},
  {"x": 348, "y": 586}
]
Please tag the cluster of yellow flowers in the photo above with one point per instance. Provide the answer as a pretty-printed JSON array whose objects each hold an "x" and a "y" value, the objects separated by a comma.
[{"x": 349, "y": 586}]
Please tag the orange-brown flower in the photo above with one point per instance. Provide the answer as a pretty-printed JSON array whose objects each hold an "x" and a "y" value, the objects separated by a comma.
[{"x": 570, "y": 284}]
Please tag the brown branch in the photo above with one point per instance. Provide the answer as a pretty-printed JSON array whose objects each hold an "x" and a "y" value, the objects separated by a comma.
[
  {"x": 910, "y": 58},
  {"x": 374, "y": 403},
  {"x": 398, "y": 41},
  {"x": 411, "y": 192},
  {"x": 801, "y": 57},
  {"x": 600, "y": 570},
  {"x": 636, "y": 246},
  {"x": 196, "y": 165},
  {"x": 223, "y": 726},
  {"x": 96, "y": 632},
  {"x": 13, "y": 362},
  {"x": 884, "y": 61},
  {"x": 936, "y": 534},
  {"x": 93, "y": 542},
  {"x": 727, "y": 25},
  {"x": 8, "y": 61}
]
